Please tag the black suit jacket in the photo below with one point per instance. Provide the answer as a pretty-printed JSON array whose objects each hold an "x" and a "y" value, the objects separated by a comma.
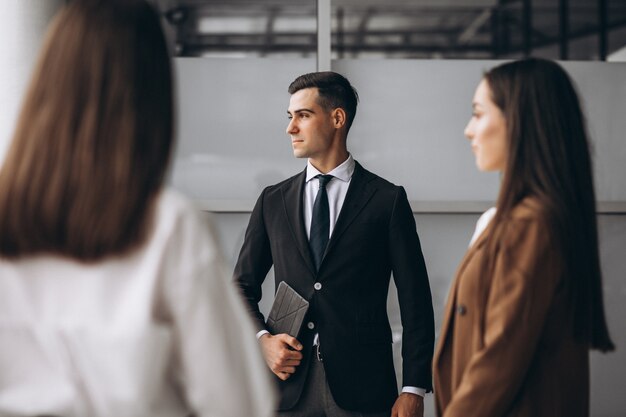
[{"x": 374, "y": 236}]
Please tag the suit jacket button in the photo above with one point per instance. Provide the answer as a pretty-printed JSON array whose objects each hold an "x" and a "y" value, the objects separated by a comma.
[
  {"x": 310, "y": 325},
  {"x": 461, "y": 309},
  {"x": 317, "y": 286}
]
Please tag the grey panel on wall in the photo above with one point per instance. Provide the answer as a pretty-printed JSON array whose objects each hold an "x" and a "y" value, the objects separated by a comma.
[
  {"x": 409, "y": 126},
  {"x": 232, "y": 116}
]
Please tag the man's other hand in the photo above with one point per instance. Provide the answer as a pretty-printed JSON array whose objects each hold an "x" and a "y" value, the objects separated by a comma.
[
  {"x": 408, "y": 405},
  {"x": 282, "y": 353}
]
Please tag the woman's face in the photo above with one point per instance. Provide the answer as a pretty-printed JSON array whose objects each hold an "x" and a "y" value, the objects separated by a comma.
[{"x": 487, "y": 131}]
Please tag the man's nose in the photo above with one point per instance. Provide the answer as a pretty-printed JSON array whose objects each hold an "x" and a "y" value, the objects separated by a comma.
[{"x": 291, "y": 127}]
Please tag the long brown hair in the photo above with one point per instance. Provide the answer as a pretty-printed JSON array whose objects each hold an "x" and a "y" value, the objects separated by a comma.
[
  {"x": 94, "y": 135},
  {"x": 549, "y": 159}
]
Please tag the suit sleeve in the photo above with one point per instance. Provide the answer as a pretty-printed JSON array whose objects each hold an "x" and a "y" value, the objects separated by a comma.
[
  {"x": 254, "y": 262},
  {"x": 416, "y": 309},
  {"x": 525, "y": 278}
]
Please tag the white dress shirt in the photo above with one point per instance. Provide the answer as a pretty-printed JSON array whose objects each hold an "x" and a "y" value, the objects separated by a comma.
[
  {"x": 161, "y": 332},
  {"x": 336, "y": 190}
]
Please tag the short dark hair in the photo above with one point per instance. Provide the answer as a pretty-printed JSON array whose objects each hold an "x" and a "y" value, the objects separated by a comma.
[
  {"x": 94, "y": 136},
  {"x": 549, "y": 159},
  {"x": 335, "y": 91}
]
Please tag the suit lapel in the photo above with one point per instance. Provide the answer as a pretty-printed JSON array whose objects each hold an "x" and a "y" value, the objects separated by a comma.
[
  {"x": 292, "y": 201},
  {"x": 359, "y": 193}
]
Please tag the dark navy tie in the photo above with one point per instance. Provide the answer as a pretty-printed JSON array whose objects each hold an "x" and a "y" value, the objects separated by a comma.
[{"x": 320, "y": 222}]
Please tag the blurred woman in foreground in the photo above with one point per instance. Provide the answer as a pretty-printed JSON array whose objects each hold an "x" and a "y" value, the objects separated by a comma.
[{"x": 113, "y": 297}]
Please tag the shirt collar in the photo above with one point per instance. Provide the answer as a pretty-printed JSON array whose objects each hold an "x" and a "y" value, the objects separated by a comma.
[{"x": 343, "y": 172}]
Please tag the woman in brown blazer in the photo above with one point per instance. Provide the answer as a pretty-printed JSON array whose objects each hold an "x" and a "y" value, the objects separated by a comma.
[{"x": 526, "y": 305}]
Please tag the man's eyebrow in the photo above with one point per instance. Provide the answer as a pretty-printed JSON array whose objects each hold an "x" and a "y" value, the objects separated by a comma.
[{"x": 300, "y": 111}]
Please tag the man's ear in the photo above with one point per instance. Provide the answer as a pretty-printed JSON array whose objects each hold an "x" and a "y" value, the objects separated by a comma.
[{"x": 339, "y": 117}]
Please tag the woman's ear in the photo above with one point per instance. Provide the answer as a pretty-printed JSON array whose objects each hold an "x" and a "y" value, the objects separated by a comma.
[{"x": 339, "y": 117}]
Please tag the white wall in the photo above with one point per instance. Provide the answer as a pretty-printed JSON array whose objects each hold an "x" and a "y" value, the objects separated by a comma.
[{"x": 23, "y": 26}]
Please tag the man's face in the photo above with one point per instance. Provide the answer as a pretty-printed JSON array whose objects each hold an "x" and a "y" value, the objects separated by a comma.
[{"x": 310, "y": 127}]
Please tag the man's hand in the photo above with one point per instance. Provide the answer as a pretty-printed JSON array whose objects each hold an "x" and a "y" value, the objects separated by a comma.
[
  {"x": 408, "y": 405},
  {"x": 282, "y": 353}
]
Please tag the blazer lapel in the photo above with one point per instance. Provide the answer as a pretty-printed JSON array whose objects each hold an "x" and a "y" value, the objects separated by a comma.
[
  {"x": 449, "y": 312},
  {"x": 359, "y": 193},
  {"x": 292, "y": 201}
]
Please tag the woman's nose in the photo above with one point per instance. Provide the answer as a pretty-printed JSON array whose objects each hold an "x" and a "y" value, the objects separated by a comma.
[{"x": 468, "y": 131}]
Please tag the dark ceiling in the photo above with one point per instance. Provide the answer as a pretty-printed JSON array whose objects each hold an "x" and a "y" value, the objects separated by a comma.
[{"x": 473, "y": 29}]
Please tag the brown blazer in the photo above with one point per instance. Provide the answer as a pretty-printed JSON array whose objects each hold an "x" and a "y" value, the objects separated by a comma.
[{"x": 506, "y": 345}]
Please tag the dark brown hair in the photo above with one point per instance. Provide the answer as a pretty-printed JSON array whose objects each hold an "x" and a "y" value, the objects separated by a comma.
[
  {"x": 549, "y": 159},
  {"x": 94, "y": 135},
  {"x": 334, "y": 90}
]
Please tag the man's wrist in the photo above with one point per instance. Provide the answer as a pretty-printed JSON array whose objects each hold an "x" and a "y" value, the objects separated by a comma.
[
  {"x": 414, "y": 390},
  {"x": 261, "y": 333}
]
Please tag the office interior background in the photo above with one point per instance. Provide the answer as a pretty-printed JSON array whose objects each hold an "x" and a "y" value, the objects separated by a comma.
[{"x": 415, "y": 64}]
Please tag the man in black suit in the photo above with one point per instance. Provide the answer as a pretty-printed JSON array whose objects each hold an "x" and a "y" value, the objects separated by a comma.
[{"x": 335, "y": 232}]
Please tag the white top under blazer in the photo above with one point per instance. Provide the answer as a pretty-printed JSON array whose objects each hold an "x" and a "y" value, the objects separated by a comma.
[{"x": 161, "y": 332}]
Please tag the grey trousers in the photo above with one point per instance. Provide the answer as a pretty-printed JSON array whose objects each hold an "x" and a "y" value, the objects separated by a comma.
[{"x": 317, "y": 401}]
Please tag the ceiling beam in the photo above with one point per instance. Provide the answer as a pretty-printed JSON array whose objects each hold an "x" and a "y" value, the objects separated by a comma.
[{"x": 473, "y": 28}]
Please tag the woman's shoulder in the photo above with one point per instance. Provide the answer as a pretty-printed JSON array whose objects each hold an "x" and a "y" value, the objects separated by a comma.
[
  {"x": 171, "y": 201},
  {"x": 174, "y": 207},
  {"x": 530, "y": 209},
  {"x": 177, "y": 217},
  {"x": 528, "y": 224}
]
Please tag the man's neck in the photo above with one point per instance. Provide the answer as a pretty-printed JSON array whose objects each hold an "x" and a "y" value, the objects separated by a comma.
[{"x": 330, "y": 162}]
